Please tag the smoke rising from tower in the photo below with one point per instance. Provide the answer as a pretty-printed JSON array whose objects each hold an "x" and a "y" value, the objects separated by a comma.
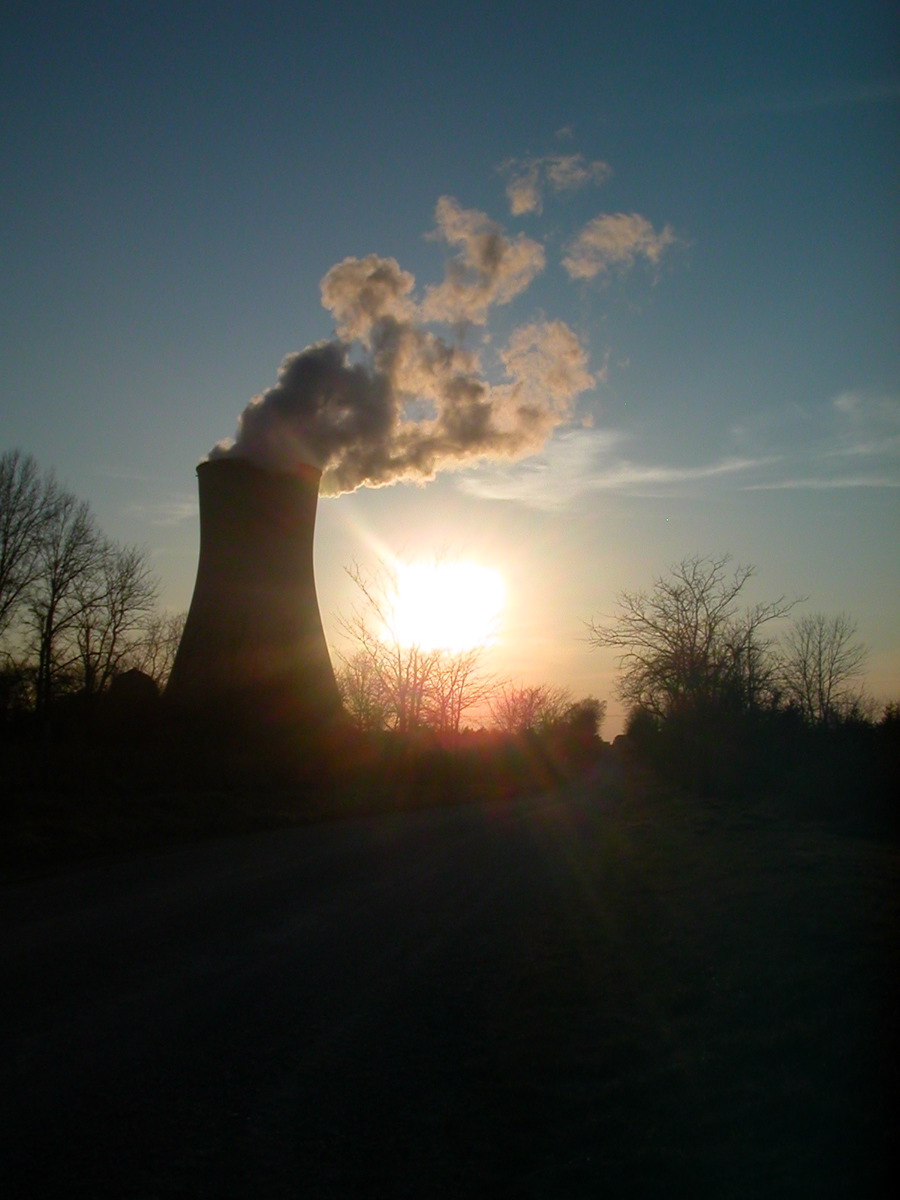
[{"x": 388, "y": 399}]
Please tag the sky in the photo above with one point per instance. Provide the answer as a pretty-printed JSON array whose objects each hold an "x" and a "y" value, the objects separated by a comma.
[{"x": 703, "y": 197}]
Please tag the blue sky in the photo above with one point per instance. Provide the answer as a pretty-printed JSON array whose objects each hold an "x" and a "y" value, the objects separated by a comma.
[{"x": 179, "y": 178}]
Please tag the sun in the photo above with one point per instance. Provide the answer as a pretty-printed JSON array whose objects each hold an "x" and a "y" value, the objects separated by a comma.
[{"x": 451, "y": 606}]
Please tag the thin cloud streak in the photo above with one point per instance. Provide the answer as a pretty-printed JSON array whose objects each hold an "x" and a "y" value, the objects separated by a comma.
[
  {"x": 821, "y": 485},
  {"x": 568, "y": 469},
  {"x": 851, "y": 427},
  {"x": 866, "y": 425},
  {"x": 840, "y": 95},
  {"x": 167, "y": 513}
]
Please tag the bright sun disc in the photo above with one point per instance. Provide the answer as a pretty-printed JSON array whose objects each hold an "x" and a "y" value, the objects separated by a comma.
[{"x": 448, "y": 606}]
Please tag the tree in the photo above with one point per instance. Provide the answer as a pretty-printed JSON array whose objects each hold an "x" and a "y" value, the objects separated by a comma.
[
  {"x": 154, "y": 651},
  {"x": 585, "y": 717},
  {"x": 395, "y": 675},
  {"x": 820, "y": 668},
  {"x": 361, "y": 693},
  {"x": 78, "y": 608},
  {"x": 388, "y": 684},
  {"x": 114, "y": 602},
  {"x": 71, "y": 549},
  {"x": 27, "y": 504},
  {"x": 516, "y": 708},
  {"x": 574, "y": 738},
  {"x": 456, "y": 686},
  {"x": 687, "y": 644}
]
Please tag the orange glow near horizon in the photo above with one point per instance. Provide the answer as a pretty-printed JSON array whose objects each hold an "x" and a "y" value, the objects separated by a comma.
[{"x": 452, "y": 606}]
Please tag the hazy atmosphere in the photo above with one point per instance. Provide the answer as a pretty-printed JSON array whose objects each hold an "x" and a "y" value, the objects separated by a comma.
[{"x": 592, "y": 289}]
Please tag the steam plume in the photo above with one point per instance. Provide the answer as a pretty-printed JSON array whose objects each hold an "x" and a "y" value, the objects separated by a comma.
[
  {"x": 409, "y": 403},
  {"x": 615, "y": 241},
  {"x": 530, "y": 177}
]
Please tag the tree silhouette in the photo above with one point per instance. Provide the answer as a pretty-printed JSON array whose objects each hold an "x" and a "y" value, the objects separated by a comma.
[
  {"x": 820, "y": 668},
  {"x": 153, "y": 650},
  {"x": 359, "y": 684},
  {"x": 75, "y": 607},
  {"x": 115, "y": 602},
  {"x": 70, "y": 550},
  {"x": 457, "y": 685},
  {"x": 27, "y": 504},
  {"x": 388, "y": 684},
  {"x": 687, "y": 643},
  {"x": 519, "y": 707}
]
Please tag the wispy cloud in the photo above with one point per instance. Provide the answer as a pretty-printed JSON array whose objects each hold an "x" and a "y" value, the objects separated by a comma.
[
  {"x": 587, "y": 461},
  {"x": 825, "y": 447},
  {"x": 820, "y": 454},
  {"x": 823, "y": 483},
  {"x": 166, "y": 512},
  {"x": 866, "y": 424},
  {"x": 800, "y": 100},
  {"x": 634, "y": 475}
]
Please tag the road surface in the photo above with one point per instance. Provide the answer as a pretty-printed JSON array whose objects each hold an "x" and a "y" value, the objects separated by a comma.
[{"x": 448, "y": 1003}]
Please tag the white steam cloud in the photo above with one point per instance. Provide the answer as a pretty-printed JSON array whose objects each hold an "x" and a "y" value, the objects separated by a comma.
[
  {"x": 489, "y": 268},
  {"x": 410, "y": 403}
]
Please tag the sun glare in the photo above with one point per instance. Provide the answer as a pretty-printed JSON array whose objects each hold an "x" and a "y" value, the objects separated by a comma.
[{"x": 448, "y": 606}]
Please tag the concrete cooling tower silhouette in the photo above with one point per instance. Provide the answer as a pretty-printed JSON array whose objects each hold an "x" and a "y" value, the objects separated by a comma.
[{"x": 253, "y": 645}]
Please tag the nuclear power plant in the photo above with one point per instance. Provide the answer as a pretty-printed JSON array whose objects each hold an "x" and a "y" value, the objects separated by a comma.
[{"x": 253, "y": 646}]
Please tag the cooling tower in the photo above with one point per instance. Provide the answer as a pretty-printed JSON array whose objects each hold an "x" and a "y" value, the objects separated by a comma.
[{"x": 253, "y": 645}]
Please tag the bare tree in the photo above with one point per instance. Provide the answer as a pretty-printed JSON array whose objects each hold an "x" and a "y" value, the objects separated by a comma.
[
  {"x": 153, "y": 652},
  {"x": 388, "y": 683},
  {"x": 516, "y": 708},
  {"x": 27, "y": 503},
  {"x": 114, "y": 603},
  {"x": 397, "y": 675},
  {"x": 457, "y": 685},
  {"x": 84, "y": 607},
  {"x": 820, "y": 667},
  {"x": 71, "y": 549},
  {"x": 686, "y": 643},
  {"x": 359, "y": 684}
]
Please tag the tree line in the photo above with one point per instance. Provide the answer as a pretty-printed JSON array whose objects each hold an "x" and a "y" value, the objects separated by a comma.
[
  {"x": 719, "y": 699},
  {"x": 76, "y": 607},
  {"x": 688, "y": 644}
]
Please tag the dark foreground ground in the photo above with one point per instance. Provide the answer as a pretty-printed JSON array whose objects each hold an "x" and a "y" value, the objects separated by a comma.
[{"x": 596, "y": 994}]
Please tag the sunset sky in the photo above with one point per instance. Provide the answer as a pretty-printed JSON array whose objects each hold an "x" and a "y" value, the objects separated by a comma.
[{"x": 706, "y": 198}]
